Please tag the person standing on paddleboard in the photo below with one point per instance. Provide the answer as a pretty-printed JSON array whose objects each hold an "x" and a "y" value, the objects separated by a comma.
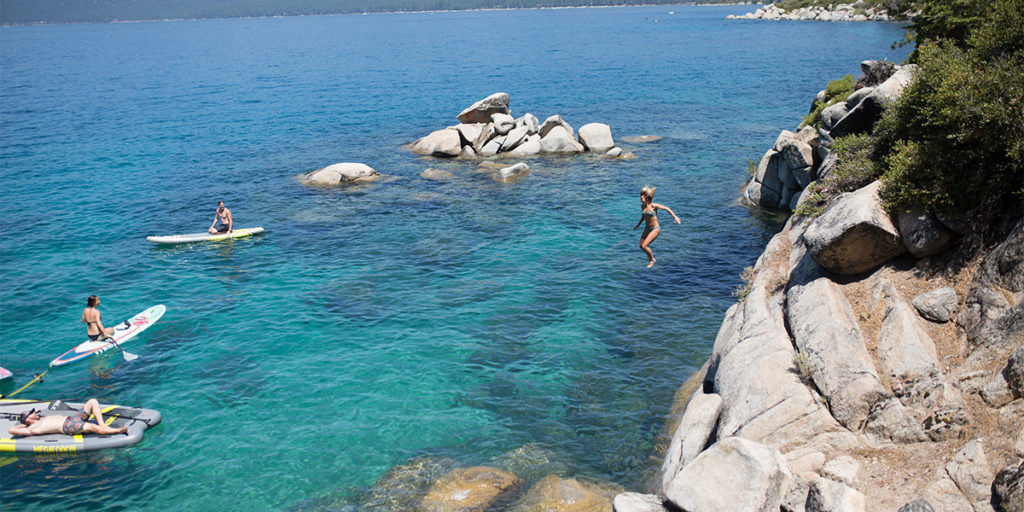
[
  {"x": 649, "y": 214},
  {"x": 91, "y": 318},
  {"x": 224, "y": 216}
]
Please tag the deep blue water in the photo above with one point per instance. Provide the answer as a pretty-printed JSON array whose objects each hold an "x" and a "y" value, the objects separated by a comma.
[{"x": 464, "y": 318}]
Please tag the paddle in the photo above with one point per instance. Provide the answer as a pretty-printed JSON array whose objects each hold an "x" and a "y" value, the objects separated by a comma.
[{"x": 128, "y": 356}]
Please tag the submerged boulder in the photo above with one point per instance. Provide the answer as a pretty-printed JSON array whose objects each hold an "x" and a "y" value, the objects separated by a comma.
[
  {"x": 435, "y": 174},
  {"x": 471, "y": 489},
  {"x": 346, "y": 172},
  {"x": 566, "y": 495},
  {"x": 513, "y": 172}
]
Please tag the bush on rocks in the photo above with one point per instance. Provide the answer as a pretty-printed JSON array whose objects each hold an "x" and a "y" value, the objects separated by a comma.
[{"x": 836, "y": 91}]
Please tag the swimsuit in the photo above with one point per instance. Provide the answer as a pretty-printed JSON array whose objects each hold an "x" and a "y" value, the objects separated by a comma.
[
  {"x": 75, "y": 425},
  {"x": 223, "y": 228},
  {"x": 647, "y": 215},
  {"x": 92, "y": 337}
]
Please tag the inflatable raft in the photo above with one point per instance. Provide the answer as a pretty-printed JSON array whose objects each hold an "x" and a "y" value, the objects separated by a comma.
[{"x": 137, "y": 420}]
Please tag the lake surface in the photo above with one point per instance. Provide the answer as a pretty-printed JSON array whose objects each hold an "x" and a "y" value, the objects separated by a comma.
[{"x": 463, "y": 319}]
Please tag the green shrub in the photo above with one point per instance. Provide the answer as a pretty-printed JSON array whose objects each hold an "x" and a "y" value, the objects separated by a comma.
[
  {"x": 954, "y": 141},
  {"x": 813, "y": 205},
  {"x": 854, "y": 169},
  {"x": 835, "y": 91},
  {"x": 854, "y": 166}
]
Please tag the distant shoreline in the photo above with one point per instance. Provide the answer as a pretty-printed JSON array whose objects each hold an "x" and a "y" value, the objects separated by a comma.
[{"x": 153, "y": 20}]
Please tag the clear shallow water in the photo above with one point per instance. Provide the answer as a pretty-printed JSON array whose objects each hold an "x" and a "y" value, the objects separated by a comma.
[{"x": 464, "y": 318}]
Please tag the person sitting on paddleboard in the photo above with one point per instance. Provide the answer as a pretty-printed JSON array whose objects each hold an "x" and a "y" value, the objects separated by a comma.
[
  {"x": 649, "y": 214},
  {"x": 91, "y": 318},
  {"x": 32, "y": 424},
  {"x": 224, "y": 216}
]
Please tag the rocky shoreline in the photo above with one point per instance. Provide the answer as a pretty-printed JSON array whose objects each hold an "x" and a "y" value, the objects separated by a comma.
[
  {"x": 856, "y": 11},
  {"x": 872, "y": 363}
]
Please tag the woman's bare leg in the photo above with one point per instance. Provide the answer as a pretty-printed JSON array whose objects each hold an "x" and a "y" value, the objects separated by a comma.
[{"x": 645, "y": 243}]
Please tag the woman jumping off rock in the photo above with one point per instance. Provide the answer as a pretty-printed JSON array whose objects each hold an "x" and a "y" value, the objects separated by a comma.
[{"x": 649, "y": 214}]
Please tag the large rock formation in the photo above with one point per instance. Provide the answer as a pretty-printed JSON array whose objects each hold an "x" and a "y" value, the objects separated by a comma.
[
  {"x": 862, "y": 118},
  {"x": 855, "y": 234},
  {"x": 993, "y": 315},
  {"x": 733, "y": 474},
  {"x": 820, "y": 367},
  {"x": 487, "y": 128}
]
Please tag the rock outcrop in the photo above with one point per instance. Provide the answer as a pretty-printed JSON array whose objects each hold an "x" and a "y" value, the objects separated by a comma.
[
  {"x": 733, "y": 474},
  {"x": 855, "y": 234},
  {"x": 487, "y": 128},
  {"x": 481, "y": 111},
  {"x": 798, "y": 159},
  {"x": 821, "y": 368}
]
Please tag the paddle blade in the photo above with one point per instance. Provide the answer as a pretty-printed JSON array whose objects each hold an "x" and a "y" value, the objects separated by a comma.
[{"x": 128, "y": 356}]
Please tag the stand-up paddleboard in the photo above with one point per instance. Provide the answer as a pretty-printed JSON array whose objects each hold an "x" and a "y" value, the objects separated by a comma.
[
  {"x": 137, "y": 419},
  {"x": 203, "y": 237},
  {"x": 123, "y": 332},
  {"x": 5, "y": 373}
]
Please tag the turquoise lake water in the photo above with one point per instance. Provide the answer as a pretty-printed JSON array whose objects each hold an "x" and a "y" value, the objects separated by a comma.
[{"x": 464, "y": 318}]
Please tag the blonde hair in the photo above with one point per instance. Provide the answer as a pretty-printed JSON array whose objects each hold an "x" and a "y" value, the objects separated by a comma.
[{"x": 648, "y": 191}]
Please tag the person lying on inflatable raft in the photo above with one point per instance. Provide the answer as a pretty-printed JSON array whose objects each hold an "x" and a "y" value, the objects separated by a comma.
[{"x": 32, "y": 424}]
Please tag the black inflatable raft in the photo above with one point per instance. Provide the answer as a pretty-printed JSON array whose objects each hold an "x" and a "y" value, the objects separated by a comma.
[{"x": 137, "y": 420}]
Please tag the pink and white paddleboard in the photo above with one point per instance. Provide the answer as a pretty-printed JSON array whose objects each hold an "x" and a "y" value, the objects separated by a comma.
[{"x": 123, "y": 332}]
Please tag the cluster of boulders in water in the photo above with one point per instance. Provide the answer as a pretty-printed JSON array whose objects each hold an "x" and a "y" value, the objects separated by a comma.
[
  {"x": 488, "y": 129},
  {"x": 857, "y": 11},
  {"x": 525, "y": 479},
  {"x": 843, "y": 380}
]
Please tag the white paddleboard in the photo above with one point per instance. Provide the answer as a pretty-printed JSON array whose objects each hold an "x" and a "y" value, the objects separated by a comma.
[
  {"x": 123, "y": 332},
  {"x": 203, "y": 237}
]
